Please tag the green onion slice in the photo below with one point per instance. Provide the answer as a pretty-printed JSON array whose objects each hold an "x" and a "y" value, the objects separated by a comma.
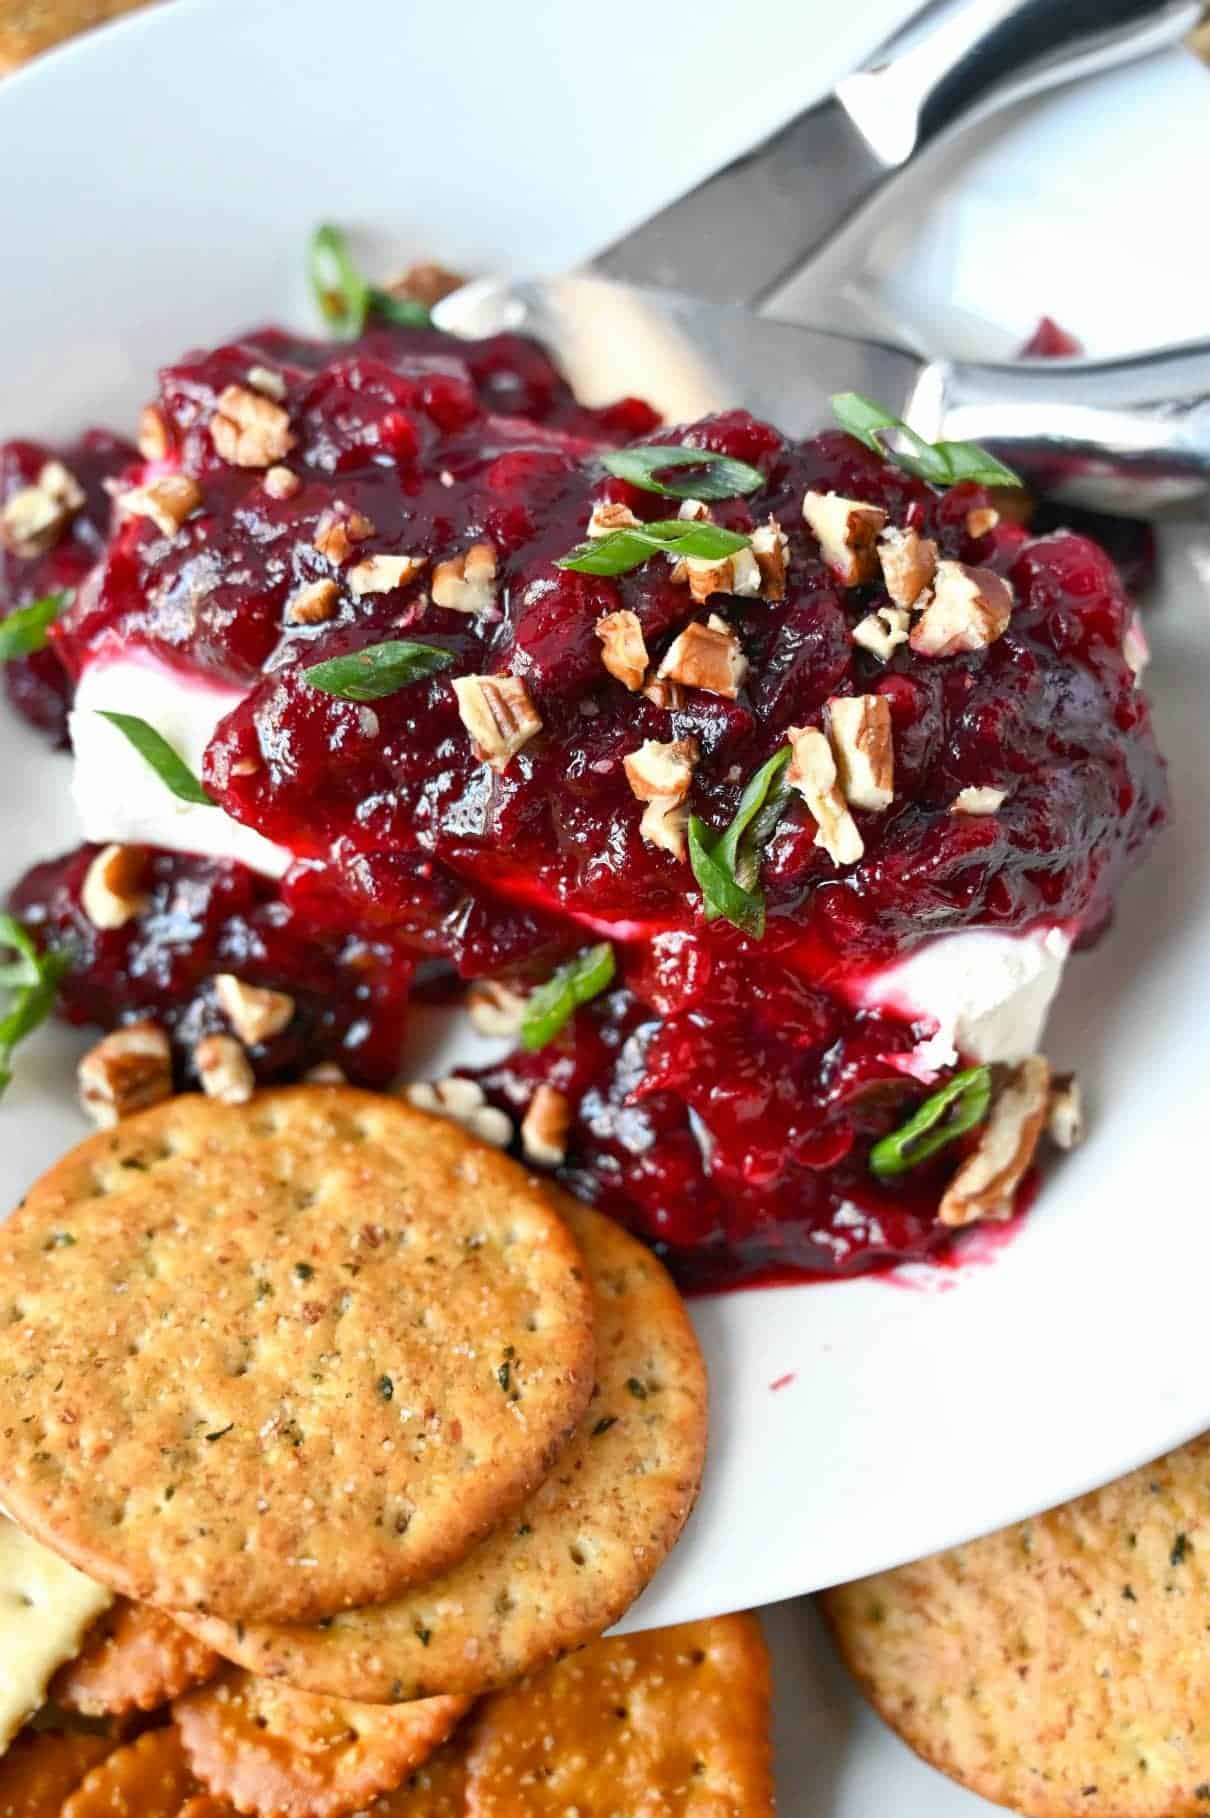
[
  {"x": 155, "y": 750},
  {"x": 623, "y": 550},
  {"x": 727, "y": 865},
  {"x": 25, "y": 630},
  {"x": 945, "y": 1115},
  {"x": 377, "y": 670},
  {"x": 346, "y": 299},
  {"x": 553, "y": 1004},
  {"x": 940, "y": 463},
  {"x": 33, "y": 978},
  {"x": 715, "y": 476}
]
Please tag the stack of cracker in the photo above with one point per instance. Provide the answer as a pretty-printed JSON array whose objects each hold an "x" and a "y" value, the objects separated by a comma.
[{"x": 320, "y": 1420}]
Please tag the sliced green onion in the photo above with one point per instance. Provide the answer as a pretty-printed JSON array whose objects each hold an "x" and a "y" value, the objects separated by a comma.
[
  {"x": 553, "y": 1004},
  {"x": 622, "y": 550},
  {"x": 155, "y": 750},
  {"x": 346, "y": 299},
  {"x": 24, "y": 630},
  {"x": 727, "y": 865},
  {"x": 716, "y": 476},
  {"x": 34, "y": 980},
  {"x": 940, "y": 463},
  {"x": 945, "y": 1115},
  {"x": 377, "y": 670}
]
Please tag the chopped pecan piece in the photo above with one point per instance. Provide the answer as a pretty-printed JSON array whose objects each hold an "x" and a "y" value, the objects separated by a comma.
[
  {"x": 706, "y": 656},
  {"x": 883, "y": 631},
  {"x": 167, "y": 501},
  {"x": 695, "y": 511},
  {"x": 153, "y": 440},
  {"x": 463, "y": 1101},
  {"x": 668, "y": 696},
  {"x": 812, "y": 771},
  {"x": 426, "y": 283},
  {"x": 127, "y": 1071},
  {"x": 1065, "y": 1112},
  {"x": 847, "y": 531},
  {"x": 984, "y": 1186},
  {"x": 976, "y": 800},
  {"x": 326, "y": 1073},
  {"x": 981, "y": 520},
  {"x": 224, "y": 1069},
  {"x": 969, "y": 609},
  {"x": 908, "y": 562},
  {"x": 495, "y": 1008},
  {"x": 862, "y": 745},
  {"x": 738, "y": 574},
  {"x": 338, "y": 530},
  {"x": 665, "y": 823},
  {"x": 380, "y": 573},
  {"x": 499, "y": 715},
  {"x": 249, "y": 430},
  {"x": 256, "y": 1014},
  {"x": 661, "y": 770},
  {"x": 281, "y": 482},
  {"x": 771, "y": 552},
  {"x": 610, "y": 516},
  {"x": 112, "y": 893},
  {"x": 467, "y": 582},
  {"x": 545, "y": 1127},
  {"x": 623, "y": 648},
  {"x": 270, "y": 384},
  {"x": 35, "y": 517},
  {"x": 314, "y": 604},
  {"x": 1135, "y": 649}
]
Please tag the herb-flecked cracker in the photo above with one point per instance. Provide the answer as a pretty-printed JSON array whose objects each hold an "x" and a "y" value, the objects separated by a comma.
[
  {"x": 675, "y": 1722},
  {"x": 283, "y": 1358},
  {"x": 568, "y": 1563},
  {"x": 284, "y": 1754},
  {"x": 1061, "y": 1666}
]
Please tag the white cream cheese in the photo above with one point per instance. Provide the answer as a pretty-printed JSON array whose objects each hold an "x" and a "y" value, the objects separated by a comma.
[{"x": 117, "y": 794}]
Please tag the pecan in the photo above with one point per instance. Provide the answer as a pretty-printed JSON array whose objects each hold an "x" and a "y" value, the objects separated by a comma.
[
  {"x": 425, "y": 283},
  {"x": 812, "y": 771},
  {"x": 1135, "y": 649},
  {"x": 281, "y": 482},
  {"x": 463, "y": 1102},
  {"x": 609, "y": 516},
  {"x": 771, "y": 552},
  {"x": 883, "y": 630},
  {"x": 860, "y": 726},
  {"x": 495, "y": 1008},
  {"x": 112, "y": 892},
  {"x": 976, "y": 800},
  {"x": 668, "y": 696},
  {"x": 968, "y": 610},
  {"x": 658, "y": 770},
  {"x": 545, "y": 1127},
  {"x": 255, "y": 1013},
  {"x": 153, "y": 440},
  {"x": 224, "y": 1069},
  {"x": 326, "y": 1073},
  {"x": 738, "y": 574},
  {"x": 981, "y": 520},
  {"x": 467, "y": 582},
  {"x": 695, "y": 511},
  {"x": 706, "y": 656},
  {"x": 381, "y": 573},
  {"x": 337, "y": 531},
  {"x": 499, "y": 715},
  {"x": 127, "y": 1071},
  {"x": 665, "y": 823},
  {"x": 167, "y": 501},
  {"x": 270, "y": 384},
  {"x": 1065, "y": 1112},
  {"x": 847, "y": 531},
  {"x": 249, "y": 430},
  {"x": 985, "y": 1184},
  {"x": 35, "y": 517},
  {"x": 908, "y": 562},
  {"x": 623, "y": 648},
  {"x": 313, "y": 604}
]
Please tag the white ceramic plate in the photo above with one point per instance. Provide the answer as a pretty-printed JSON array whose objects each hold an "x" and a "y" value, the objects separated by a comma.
[{"x": 174, "y": 167}]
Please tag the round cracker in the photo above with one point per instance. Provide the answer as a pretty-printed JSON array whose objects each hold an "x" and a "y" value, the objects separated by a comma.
[
  {"x": 1060, "y": 1666},
  {"x": 133, "y": 1659},
  {"x": 436, "y": 1790},
  {"x": 676, "y": 1721},
  {"x": 280, "y": 1359},
  {"x": 150, "y": 1776},
  {"x": 566, "y": 1566},
  {"x": 285, "y": 1754},
  {"x": 42, "y": 1767}
]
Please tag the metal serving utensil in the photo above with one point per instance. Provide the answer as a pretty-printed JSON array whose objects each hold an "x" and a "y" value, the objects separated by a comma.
[{"x": 1129, "y": 435}]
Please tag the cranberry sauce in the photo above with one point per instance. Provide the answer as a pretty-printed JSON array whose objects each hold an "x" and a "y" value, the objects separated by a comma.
[
  {"x": 55, "y": 557},
  {"x": 203, "y": 917}
]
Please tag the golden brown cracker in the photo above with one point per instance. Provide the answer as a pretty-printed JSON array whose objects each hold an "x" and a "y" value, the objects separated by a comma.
[
  {"x": 134, "y": 1658},
  {"x": 28, "y": 27},
  {"x": 566, "y": 1566},
  {"x": 675, "y": 1723},
  {"x": 205, "y": 1805},
  {"x": 42, "y": 1767},
  {"x": 278, "y": 1359},
  {"x": 435, "y": 1790},
  {"x": 1061, "y": 1666},
  {"x": 269, "y": 1749},
  {"x": 148, "y": 1778}
]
